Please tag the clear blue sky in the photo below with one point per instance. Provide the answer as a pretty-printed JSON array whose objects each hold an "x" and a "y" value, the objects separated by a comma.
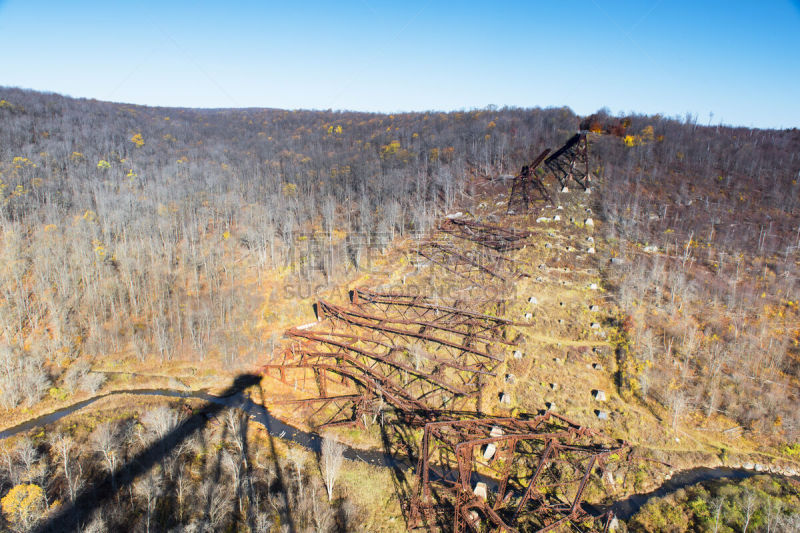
[{"x": 739, "y": 60}]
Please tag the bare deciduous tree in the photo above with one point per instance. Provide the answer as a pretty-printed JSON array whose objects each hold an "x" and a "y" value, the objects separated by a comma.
[
  {"x": 63, "y": 445},
  {"x": 332, "y": 456}
]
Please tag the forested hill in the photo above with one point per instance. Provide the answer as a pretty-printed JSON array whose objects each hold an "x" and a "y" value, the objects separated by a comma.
[
  {"x": 146, "y": 233},
  {"x": 134, "y": 231}
]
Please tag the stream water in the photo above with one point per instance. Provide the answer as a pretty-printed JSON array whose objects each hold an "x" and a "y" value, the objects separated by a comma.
[{"x": 624, "y": 509}]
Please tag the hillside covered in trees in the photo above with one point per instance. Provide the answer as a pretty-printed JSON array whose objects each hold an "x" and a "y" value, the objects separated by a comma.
[{"x": 177, "y": 244}]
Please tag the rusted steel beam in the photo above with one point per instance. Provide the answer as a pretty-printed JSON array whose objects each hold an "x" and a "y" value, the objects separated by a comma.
[
  {"x": 551, "y": 459},
  {"x": 360, "y": 319},
  {"x": 526, "y": 183},
  {"x": 493, "y": 237},
  {"x": 366, "y": 337},
  {"x": 472, "y": 263},
  {"x": 386, "y": 373},
  {"x": 323, "y": 399},
  {"x": 571, "y": 161},
  {"x": 411, "y": 328},
  {"x": 361, "y": 295},
  {"x": 448, "y": 257}
]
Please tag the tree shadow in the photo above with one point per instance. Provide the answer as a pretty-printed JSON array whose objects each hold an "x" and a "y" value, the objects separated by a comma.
[
  {"x": 398, "y": 441},
  {"x": 71, "y": 516}
]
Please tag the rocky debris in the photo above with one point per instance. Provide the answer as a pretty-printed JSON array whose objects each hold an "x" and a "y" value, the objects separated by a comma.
[
  {"x": 594, "y": 308},
  {"x": 510, "y": 379},
  {"x": 601, "y": 415},
  {"x": 588, "y": 222},
  {"x": 595, "y": 325},
  {"x": 518, "y": 354},
  {"x": 505, "y": 398},
  {"x": 651, "y": 249},
  {"x": 532, "y": 300},
  {"x": 481, "y": 490}
]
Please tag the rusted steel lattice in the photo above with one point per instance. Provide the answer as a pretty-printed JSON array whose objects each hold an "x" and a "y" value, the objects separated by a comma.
[
  {"x": 494, "y": 328},
  {"x": 390, "y": 351},
  {"x": 494, "y": 237},
  {"x": 571, "y": 161},
  {"x": 526, "y": 183},
  {"x": 510, "y": 474},
  {"x": 471, "y": 265}
]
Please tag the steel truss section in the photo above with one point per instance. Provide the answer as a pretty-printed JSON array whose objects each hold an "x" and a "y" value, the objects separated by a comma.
[
  {"x": 404, "y": 354},
  {"x": 509, "y": 474},
  {"x": 472, "y": 265},
  {"x": 423, "y": 308},
  {"x": 464, "y": 345},
  {"x": 571, "y": 161},
  {"x": 526, "y": 183},
  {"x": 494, "y": 237}
]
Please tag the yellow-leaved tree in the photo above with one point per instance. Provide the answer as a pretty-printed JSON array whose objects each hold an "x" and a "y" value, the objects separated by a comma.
[
  {"x": 138, "y": 140},
  {"x": 23, "y": 505}
]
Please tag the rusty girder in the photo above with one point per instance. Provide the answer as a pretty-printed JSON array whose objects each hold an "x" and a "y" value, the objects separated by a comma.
[
  {"x": 414, "y": 364},
  {"x": 424, "y": 308},
  {"x": 470, "y": 264},
  {"x": 462, "y": 343},
  {"x": 509, "y": 474},
  {"x": 526, "y": 183},
  {"x": 394, "y": 366},
  {"x": 494, "y": 237},
  {"x": 367, "y": 389},
  {"x": 359, "y": 407},
  {"x": 571, "y": 161}
]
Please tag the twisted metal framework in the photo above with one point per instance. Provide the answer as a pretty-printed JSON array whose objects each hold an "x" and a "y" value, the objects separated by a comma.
[
  {"x": 471, "y": 265},
  {"x": 509, "y": 474},
  {"x": 494, "y": 237},
  {"x": 423, "y": 307},
  {"x": 526, "y": 183},
  {"x": 406, "y": 354},
  {"x": 571, "y": 161}
]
